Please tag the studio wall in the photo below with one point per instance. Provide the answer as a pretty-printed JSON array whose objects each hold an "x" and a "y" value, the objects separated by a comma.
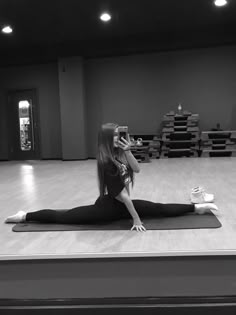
[
  {"x": 43, "y": 78},
  {"x": 136, "y": 90},
  {"x": 139, "y": 90}
]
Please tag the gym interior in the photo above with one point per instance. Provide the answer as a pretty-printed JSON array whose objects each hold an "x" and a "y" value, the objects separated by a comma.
[{"x": 179, "y": 103}]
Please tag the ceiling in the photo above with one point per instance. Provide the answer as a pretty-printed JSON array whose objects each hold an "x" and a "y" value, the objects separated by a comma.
[{"x": 45, "y": 30}]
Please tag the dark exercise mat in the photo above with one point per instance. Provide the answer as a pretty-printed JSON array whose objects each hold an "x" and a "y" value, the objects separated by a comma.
[{"x": 188, "y": 221}]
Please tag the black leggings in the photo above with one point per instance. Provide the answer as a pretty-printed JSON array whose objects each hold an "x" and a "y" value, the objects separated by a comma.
[{"x": 108, "y": 209}]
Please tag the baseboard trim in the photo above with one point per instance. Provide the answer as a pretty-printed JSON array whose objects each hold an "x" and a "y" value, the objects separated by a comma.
[{"x": 124, "y": 302}]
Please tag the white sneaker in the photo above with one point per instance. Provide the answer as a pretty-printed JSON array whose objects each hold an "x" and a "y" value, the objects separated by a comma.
[
  {"x": 16, "y": 218},
  {"x": 132, "y": 141},
  {"x": 139, "y": 142},
  {"x": 198, "y": 195}
]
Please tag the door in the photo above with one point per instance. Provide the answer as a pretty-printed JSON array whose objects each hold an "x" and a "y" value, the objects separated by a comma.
[{"x": 23, "y": 125}]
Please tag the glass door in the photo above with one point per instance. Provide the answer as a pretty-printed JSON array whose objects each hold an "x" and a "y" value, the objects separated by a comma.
[{"x": 23, "y": 126}]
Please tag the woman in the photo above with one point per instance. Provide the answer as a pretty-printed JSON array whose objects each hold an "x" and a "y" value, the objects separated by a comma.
[{"x": 116, "y": 166}]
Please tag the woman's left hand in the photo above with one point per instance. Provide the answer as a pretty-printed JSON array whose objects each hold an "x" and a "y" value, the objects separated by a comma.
[{"x": 124, "y": 144}]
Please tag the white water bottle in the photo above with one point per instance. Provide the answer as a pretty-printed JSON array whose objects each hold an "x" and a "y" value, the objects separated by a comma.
[{"x": 180, "y": 108}]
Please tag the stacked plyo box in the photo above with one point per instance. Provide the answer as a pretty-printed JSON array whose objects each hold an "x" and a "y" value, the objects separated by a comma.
[
  {"x": 180, "y": 135},
  {"x": 218, "y": 143},
  {"x": 148, "y": 148}
]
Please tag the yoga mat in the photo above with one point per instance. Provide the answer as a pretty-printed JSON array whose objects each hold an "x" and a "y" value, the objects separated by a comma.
[{"x": 188, "y": 221}]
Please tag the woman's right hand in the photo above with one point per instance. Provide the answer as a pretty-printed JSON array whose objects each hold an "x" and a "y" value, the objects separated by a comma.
[{"x": 138, "y": 225}]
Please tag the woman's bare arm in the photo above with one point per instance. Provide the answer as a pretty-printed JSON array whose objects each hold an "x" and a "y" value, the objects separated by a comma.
[
  {"x": 126, "y": 146},
  {"x": 125, "y": 198},
  {"x": 132, "y": 161}
]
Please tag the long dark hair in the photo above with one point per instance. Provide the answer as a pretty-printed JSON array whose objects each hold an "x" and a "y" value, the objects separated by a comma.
[{"x": 106, "y": 152}]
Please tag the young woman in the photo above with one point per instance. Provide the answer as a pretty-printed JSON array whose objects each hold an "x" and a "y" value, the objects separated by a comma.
[{"x": 116, "y": 166}]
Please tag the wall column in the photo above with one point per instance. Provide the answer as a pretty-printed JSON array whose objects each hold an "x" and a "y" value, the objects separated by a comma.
[{"x": 72, "y": 108}]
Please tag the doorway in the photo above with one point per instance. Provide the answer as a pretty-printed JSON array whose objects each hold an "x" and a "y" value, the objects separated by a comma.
[{"x": 23, "y": 125}]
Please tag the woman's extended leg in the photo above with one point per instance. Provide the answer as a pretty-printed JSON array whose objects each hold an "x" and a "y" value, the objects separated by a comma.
[
  {"x": 104, "y": 209},
  {"x": 79, "y": 215},
  {"x": 152, "y": 209},
  {"x": 147, "y": 208}
]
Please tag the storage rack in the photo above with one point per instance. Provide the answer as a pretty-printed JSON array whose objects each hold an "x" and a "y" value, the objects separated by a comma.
[
  {"x": 150, "y": 147},
  {"x": 180, "y": 135},
  {"x": 218, "y": 143}
]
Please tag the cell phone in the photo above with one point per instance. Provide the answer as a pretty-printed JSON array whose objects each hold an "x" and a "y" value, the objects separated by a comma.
[{"x": 123, "y": 132}]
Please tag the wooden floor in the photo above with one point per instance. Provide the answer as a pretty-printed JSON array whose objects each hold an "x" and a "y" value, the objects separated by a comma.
[{"x": 34, "y": 185}]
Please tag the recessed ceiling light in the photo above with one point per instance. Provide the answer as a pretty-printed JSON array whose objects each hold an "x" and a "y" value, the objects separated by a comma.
[
  {"x": 105, "y": 17},
  {"x": 7, "y": 29},
  {"x": 220, "y": 3}
]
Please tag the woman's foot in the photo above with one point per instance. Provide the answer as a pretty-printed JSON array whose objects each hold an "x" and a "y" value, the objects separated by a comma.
[
  {"x": 16, "y": 218},
  {"x": 203, "y": 208}
]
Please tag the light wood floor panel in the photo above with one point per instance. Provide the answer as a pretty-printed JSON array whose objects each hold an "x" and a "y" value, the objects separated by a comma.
[{"x": 34, "y": 185}]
